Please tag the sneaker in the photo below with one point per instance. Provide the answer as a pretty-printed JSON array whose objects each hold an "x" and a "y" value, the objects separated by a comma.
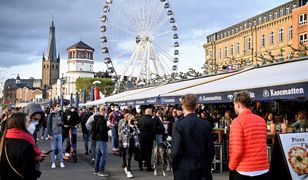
[
  {"x": 86, "y": 153},
  {"x": 92, "y": 161},
  {"x": 62, "y": 165},
  {"x": 101, "y": 174},
  {"x": 125, "y": 170},
  {"x": 129, "y": 174},
  {"x": 53, "y": 165},
  {"x": 95, "y": 173}
]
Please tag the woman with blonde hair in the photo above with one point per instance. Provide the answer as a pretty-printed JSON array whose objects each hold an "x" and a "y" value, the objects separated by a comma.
[{"x": 130, "y": 143}]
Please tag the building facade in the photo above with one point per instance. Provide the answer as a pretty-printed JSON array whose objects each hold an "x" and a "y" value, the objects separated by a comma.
[
  {"x": 26, "y": 95},
  {"x": 80, "y": 64},
  {"x": 11, "y": 85},
  {"x": 50, "y": 61},
  {"x": 275, "y": 35}
]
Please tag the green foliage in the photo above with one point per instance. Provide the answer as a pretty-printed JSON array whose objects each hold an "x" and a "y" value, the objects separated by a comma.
[{"x": 106, "y": 86}]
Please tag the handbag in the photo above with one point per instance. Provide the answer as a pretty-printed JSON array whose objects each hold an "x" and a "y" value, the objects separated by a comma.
[{"x": 2, "y": 145}]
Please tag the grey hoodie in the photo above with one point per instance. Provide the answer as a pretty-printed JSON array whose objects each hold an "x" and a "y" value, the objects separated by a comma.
[{"x": 34, "y": 108}]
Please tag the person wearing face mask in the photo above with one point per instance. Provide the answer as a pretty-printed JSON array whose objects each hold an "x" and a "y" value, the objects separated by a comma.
[
  {"x": 54, "y": 126},
  {"x": 18, "y": 152},
  {"x": 36, "y": 114}
]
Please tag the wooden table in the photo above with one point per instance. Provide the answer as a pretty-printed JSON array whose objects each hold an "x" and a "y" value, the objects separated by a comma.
[{"x": 219, "y": 132}]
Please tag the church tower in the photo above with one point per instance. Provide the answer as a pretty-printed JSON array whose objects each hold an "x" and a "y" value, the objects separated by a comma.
[
  {"x": 80, "y": 64},
  {"x": 50, "y": 61}
]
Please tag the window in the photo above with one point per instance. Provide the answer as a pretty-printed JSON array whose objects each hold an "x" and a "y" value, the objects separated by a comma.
[
  {"x": 219, "y": 53},
  {"x": 288, "y": 10},
  {"x": 276, "y": 15},
  {"x": 248, "y": 45},
  {"x": 231, "y": 50},
  {"x": 271, "y": 38},
  {"x": 303, "y": 38},
  {"x": 270, "y": 16},
  {"x": 281, "y": 12},
  {"x": 302, "y": 19},
  {"x": 294, "y": 5},
  {"x": 255, "y": 22},
  {"x": 264, "y": 18},
  {"x": 238, "y": 48},
  {"x": 226, "y": 52},
  {"x": 280, "y": 37},
  {"x": 263, "y": 40},
  {"x": 260, "y": 20},
  {"x": 290, "y": 34}
]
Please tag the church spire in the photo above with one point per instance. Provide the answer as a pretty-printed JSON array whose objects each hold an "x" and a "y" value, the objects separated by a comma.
[{"x": 51, "y": 53}]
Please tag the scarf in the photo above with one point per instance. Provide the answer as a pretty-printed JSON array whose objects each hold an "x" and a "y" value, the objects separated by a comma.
[{"x": 15, "y": 133}]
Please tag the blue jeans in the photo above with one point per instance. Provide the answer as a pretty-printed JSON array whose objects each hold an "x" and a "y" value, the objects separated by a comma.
[
  {"x": 158, "y": 139},
  {"x": 101, "y": 153},
  {"x": 115, "y": 137},
  {"x": 86, "y": 141},
  {"x": 74, "y": 138},
  {"x": 56, "y": 142},
  {"x": 93, "y": 147}
]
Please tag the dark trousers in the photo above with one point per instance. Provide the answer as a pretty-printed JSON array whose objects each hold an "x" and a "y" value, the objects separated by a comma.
[
  {"x": 234, "y": 175},
  {"x": 146, "y": 147},
  {"x": 127, "y": 154}
]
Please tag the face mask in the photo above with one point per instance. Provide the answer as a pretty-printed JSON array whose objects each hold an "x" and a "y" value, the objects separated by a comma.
[
  {"x": 72, "y": 110},
  {"x": 31, "y": 127},
  {"x": 116, "y": 109}
]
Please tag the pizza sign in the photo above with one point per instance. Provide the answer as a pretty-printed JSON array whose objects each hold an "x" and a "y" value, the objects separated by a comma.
[{"x": 295, "y": 150}]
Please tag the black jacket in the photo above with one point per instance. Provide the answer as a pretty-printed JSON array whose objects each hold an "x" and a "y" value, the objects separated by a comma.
[
  {"x": 84, "y": 121},
  {"x": 21, "y": 156},
  {"x": 100, "y": 131},
  {"x": 192, "y": 148},
  {"x": 147, "y": 128}
]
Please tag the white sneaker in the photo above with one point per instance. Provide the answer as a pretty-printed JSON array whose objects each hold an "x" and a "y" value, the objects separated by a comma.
[
  {"x": 62, "y": 165},
  {"x": 125, "y": 170},
  {"x": 53, "y": 165},
  {"x": 129, "y": 174}
]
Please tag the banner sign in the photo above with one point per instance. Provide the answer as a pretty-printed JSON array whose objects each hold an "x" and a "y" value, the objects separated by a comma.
[
  {"x": 290, "y": 91},
  {"x": 295, "y": 150}
]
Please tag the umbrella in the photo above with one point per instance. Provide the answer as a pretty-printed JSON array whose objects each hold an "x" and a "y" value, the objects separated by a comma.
[
  {"x": 62, "y": 102},
  {"x": 71, "y": 100},
  {"x": 77, "y": 100},
  {"x": 84, "y": 99},
  {"x": 92, "y": 94}
]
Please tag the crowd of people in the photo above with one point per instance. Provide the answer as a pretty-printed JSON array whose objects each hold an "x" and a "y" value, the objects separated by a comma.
[{"x": 135, "y": 133}]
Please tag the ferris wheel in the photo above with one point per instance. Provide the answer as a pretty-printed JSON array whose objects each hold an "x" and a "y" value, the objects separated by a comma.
[{"x": 142, "y": 37}]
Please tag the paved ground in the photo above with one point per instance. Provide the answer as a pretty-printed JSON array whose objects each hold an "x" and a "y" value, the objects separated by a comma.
[{"x": 83, "y": 169}]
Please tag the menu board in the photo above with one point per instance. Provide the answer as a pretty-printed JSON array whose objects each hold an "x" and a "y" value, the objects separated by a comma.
[{"x": 295, "y": 150}]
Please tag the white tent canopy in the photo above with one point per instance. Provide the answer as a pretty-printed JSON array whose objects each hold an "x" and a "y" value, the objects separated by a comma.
[
  {"x": 167, "y": 88},
  {"x": 286, "y": 80}
]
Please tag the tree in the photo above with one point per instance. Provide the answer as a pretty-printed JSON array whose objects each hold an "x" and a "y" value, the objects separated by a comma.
[{"x": 106, "y": 85}]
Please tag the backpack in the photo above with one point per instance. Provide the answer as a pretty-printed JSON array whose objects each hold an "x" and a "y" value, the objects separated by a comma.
[{"x": 93, "y": 130}]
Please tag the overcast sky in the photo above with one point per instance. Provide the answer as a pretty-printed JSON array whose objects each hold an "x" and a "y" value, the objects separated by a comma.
[{"x": 24, "y": 26}]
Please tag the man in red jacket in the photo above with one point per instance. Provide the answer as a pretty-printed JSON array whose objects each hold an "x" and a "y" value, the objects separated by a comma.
[{"x": 247, "y": 147}]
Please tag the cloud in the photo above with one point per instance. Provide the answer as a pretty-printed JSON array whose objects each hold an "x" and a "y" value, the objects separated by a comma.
[{"x": 24, "y": 35}]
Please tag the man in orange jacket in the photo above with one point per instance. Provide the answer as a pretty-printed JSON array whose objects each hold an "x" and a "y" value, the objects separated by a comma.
[{"x": 247, "y": 147}]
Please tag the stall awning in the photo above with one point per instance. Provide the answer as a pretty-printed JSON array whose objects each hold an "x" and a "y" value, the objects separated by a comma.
[
  {"x": 286, "y": 80},
  {"x": 151, "y": 95}
]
